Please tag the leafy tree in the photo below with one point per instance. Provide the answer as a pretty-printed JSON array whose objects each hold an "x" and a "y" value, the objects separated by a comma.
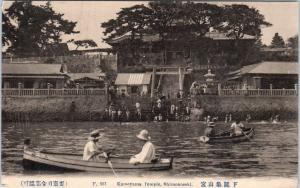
[
  {"x": 85, "y": 43},
  {"x": 277, "y": 41},
  {"x": 200, "y": 17},
  {"x": 8, "y": 31},
  {"x": 239, "y": 20},
  {"x": 293, "y": 42},
  {"x": 35, "y": 28},
  {"x": 130, "y": 21}
]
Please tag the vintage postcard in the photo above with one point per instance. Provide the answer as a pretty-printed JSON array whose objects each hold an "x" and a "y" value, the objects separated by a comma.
[{"x": 149, "y": 94}]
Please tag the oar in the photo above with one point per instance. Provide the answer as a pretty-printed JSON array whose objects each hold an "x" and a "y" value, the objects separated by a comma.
[
  {"x": 110, "y": 164},
  {"x": 245, "y": 135},
  {"x": 204, "y": 139}
]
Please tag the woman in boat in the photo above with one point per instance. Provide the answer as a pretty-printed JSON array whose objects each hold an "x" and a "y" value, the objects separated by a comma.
[
  {"x": 237, "y": 128},
  {"x": 147, "y": 154},
  {"x": 91, "y": 150}
]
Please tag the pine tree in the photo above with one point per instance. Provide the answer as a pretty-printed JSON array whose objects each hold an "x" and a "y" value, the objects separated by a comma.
[{"x": 277, "y": 41}]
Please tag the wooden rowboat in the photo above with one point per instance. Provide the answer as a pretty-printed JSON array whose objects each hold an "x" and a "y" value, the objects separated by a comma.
[
  {"x": 225, "y": 137},
  {"x": 39, "y": 160}
]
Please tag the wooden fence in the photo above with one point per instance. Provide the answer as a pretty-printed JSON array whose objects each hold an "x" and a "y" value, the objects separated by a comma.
[{"x": 51, "y": 92}]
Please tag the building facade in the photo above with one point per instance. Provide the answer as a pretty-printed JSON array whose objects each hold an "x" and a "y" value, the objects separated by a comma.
[{"x": 33, "y": 75}]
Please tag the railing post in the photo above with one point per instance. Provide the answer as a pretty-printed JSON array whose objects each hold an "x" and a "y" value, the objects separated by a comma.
[
  {"x": 258, "y": 91},
  {"x": 296, "y": 88},
  {"x": 219, "y": 89},
  {"x": 19, "y": 88},
  {"x": 63, "y": 91},
  {"x": 33, "y": 91},
  {"x": 48, "y": 87},
  {"x": 77, "y": 88}
]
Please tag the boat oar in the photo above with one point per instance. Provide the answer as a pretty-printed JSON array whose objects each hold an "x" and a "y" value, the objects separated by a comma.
[
  {"x": 204, "y": 139},
  {"x": 110, "y": 164},
  {"x": 245, "y": 135}
]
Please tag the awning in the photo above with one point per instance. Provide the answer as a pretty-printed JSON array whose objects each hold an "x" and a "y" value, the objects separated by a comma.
[{"x": 133, "y": 79}]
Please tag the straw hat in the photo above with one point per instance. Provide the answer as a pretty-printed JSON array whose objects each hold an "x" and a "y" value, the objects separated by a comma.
[
  {"x": 95, "y": 135},
  {"x": 143, "y": 135}
]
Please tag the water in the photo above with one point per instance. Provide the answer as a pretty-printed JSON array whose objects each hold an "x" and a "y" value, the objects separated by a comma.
[{"x": 272, "y": 151}]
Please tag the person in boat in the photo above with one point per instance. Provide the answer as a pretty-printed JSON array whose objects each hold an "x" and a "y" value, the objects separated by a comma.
[
  {"x": 276, "y": 119},
  {"x": 91, "y": 151},
  {"x": 210, "y": 129},
  {"x": 248, "y": 118},
  {"x": 147, "y": 155},
  {"x": 237, "y": 128}
]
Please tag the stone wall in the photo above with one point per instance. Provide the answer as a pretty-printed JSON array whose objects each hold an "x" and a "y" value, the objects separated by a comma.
[{"x": 53, "y": 108}]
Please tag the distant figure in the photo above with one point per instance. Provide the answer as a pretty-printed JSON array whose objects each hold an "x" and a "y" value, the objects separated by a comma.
[
  {"x": 248, "y": 118},
  {"x": 147, "y": 155},
  {"x": 276, "y": 119},
  {"x": 207, "y": 119},
  {"x": 226, "y": 118},
  {"x": 230, "y": 118},
  {"x": 160, "y": 118},
  {"x": 237, "y": 128},
  {"x": 209, "y": 130},
  {"x": 72, "y": 110},
  {"x": 91, "y": 150},
  {"x": 139, "y": 114},
  {"x": 106, "y": 114},
  {"x": 113, "y": 114},
  {"x": 127, "y": 115},
  {"x": 119, "y": 115}
]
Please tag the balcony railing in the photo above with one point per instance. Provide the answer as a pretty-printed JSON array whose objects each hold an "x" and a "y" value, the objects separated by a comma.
[
  {"x": 51, "y": 92},
  {"x": 258, "y": 92}
]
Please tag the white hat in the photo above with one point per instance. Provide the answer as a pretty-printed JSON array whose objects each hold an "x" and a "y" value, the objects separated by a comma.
[
  {"x": 144, "y": 135},
  {"x": 95, "y": 135}
]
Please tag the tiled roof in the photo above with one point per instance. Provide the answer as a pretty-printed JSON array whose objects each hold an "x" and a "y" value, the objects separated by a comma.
[
  {"x": 133, "y": 79},
  {"x": 94, "y": 75},
  {"x": 269, "y": 67},
  {"x": 32, "y": 68},
  {"x": 155, "y": 37}
]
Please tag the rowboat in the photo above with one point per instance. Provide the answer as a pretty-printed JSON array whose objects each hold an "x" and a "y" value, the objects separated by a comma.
[
  {"x": 39, "y": 160},
  {"x": 226, "y": 137}
]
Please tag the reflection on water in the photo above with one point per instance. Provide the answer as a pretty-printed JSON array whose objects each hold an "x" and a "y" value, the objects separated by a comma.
[{"x": 272, "y": 151}]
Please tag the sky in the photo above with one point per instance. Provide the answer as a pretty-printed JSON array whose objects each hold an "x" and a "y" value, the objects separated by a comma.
[{"x": 90, "y": 15}]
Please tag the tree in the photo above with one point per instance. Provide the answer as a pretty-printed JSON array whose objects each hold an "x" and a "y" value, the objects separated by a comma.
[
  {"x": 35, "y": 28},
  {"x": 85, "y": 43},
  {"x": 8, "y": 31},
  {"x": 293, "y": 42},
  {"x": 163, "y": 18},
  {"x": 131, "y": 21},
  {"x": 277, "y": 41},
  {"x": 239, "y": 20}
]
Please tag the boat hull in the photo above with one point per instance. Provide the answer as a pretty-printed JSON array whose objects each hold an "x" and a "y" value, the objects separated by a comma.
[
  {"x": 226, "y": 138},
  {"x": 68, "y": 162}
]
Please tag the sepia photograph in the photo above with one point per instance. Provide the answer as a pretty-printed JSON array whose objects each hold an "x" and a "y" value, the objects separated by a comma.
[{"x": 165, "y": 93}]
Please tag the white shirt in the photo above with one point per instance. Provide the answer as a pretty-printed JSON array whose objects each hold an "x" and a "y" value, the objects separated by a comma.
[
  {"x": 237, "y": 128},
  {"x": 145, "y": 156},
  {"x": 89, "y": 150}
]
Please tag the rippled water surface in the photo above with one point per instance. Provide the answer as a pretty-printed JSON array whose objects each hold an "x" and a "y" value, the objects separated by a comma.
[{"x": 272, "y": 151}]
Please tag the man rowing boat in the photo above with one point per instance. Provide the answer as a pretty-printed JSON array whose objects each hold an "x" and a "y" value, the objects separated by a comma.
[
  {"x": 237, "y": 128},
  {"x": 91, "y": 151},
  {"x": 147, "y": 154}
]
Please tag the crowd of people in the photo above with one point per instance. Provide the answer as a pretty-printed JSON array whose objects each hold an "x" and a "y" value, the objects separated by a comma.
[{"x": 161, "y": 110}]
